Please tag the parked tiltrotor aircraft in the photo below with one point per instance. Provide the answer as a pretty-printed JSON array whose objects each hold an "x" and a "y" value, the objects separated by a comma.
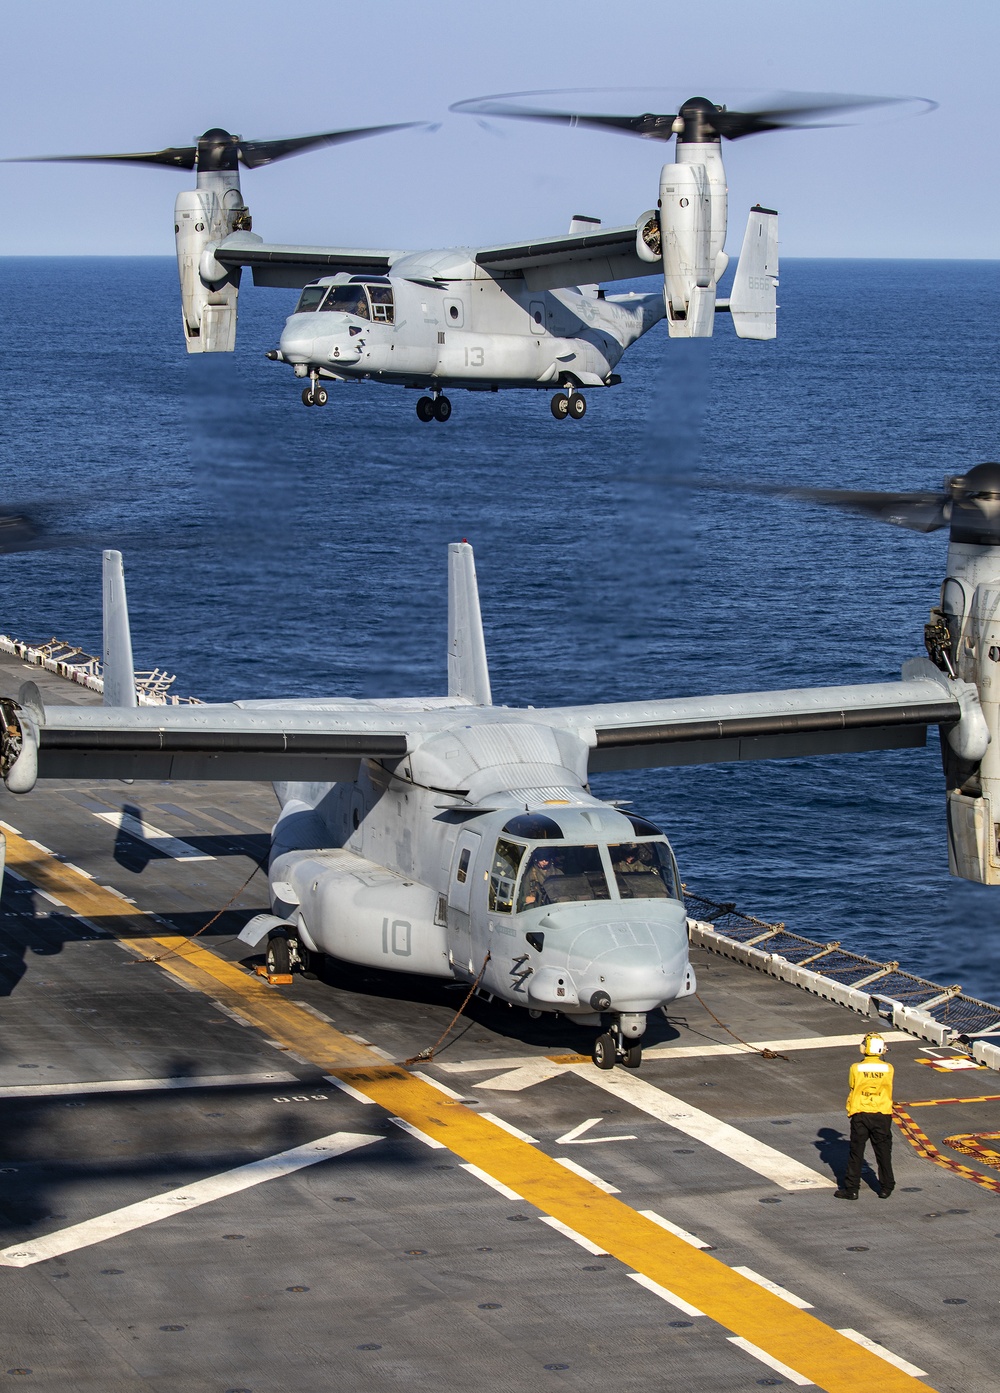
[
  {"x": 527, "y": 314},
  {"x": 456, "y": 839}
]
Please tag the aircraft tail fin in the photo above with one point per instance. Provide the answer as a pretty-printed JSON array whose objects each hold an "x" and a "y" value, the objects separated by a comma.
[
  {"x": 753, "y": 300},
  {"x": 119, "y": 673},
  {"x": 468, "y": 670}
]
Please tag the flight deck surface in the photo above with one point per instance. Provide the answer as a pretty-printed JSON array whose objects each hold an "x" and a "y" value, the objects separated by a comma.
[{"x": 213, "y": 1184}]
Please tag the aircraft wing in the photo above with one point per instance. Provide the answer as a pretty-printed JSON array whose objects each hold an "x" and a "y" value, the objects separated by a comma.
[
  {"x": 760, "y": 725},
  {"x": 293, "y": 266},
  {"x": 210, "y": 742},
  {"x": 577, "y": 259}
]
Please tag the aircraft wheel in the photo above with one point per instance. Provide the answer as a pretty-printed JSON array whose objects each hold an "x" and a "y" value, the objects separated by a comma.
[
  {"x": 320, "y": 397},
  {"x": 312, "y": 963},
  {"x": 307, "y": 396},
  {"x": 425, "y": 409},
  {"x": 278, "y": 958},
  {"x": 604, "y": 1052},
  {"x": 577, "y": 406},
  {"x": 442, "y": 409},
  {"x": 560, "y": 406},
  {"x": 633, "y": 1056}
]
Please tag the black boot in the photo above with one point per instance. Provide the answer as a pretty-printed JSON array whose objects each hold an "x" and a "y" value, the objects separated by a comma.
[{"x": 843, "y": 1194}]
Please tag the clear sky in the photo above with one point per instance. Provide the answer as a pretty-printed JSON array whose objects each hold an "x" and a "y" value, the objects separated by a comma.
[{"x": 114, "y": 76}]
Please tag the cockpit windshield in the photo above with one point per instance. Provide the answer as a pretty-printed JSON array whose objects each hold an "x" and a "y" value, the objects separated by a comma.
[
  {"x": 348, "y": 299},
  {"x": 310, "y": 299},
  {"x": 644, "y": 871},
  {"x": 562, "y": 874}
]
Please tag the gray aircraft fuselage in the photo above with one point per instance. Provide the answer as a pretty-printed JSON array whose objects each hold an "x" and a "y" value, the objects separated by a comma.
[{"x": 444, "y": 322}]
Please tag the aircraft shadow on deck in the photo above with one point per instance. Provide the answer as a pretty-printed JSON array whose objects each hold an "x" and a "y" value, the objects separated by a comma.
[{"x": 57, "y": 1159}]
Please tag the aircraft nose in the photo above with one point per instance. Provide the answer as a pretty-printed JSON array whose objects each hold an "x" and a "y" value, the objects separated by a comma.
[
  {"x": 321, "y": 338},
  {"x": 636, "y": 963}
]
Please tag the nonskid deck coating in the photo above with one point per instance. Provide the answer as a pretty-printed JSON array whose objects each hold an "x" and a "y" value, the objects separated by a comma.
[{"x": 395, "y": 1263}]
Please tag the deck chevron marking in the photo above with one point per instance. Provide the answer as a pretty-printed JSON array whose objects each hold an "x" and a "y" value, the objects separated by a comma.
[{"x": 792, "y": 1337}]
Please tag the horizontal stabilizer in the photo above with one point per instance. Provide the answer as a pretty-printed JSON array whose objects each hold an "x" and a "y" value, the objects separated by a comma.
[{"x": 753, "y": 302}]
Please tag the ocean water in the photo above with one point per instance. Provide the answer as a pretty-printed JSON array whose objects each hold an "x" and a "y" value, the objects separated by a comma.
[{"x": 272, "y": 550}]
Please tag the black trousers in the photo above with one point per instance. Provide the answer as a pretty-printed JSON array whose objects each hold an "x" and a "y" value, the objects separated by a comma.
[{"x": 875, "y": 1127}]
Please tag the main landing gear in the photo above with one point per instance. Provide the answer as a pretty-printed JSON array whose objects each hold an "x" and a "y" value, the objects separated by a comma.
[
  {"x": 617, "y": 1047},
  {"x": 433, "y": 408},
  {"x": 569, "y": 403},
  {"x": 314, "y": 394}
]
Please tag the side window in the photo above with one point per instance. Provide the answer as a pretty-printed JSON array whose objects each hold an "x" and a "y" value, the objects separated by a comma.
[
  {"x": 462, "y": 874},
  {"x": 506, "y": 862},
  {"x": 382, "y": 306}
]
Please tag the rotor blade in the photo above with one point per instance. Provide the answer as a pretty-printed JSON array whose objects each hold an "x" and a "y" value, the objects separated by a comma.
[
  {"x": 795, "y": 114},
  {"x": 649, "y": 125},
  {"x": 254, "y": 153},
  {"x": 919, "y": 511},
  {"x": 791, "y": 113},
  {"x": 175, "y": 157}
]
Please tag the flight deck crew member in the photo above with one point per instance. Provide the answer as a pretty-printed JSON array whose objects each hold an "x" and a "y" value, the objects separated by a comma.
[{"x": 869, "y": 1104}]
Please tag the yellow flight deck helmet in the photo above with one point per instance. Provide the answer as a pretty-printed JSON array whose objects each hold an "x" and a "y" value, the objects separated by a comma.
[{"x": 873, "y": 1044}]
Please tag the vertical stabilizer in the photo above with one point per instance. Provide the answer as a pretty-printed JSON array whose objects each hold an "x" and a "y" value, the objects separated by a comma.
[
  {"x": 119, "y": 674},
  {"x": 753, "y": 301},
  {"x": 468, "y": 671}
]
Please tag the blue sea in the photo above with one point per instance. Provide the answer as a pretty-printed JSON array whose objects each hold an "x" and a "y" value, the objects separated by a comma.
[{"x": 272, "y": 550}]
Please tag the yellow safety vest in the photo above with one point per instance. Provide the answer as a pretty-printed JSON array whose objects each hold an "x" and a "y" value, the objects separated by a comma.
[{"x": 871, "y": 1086}]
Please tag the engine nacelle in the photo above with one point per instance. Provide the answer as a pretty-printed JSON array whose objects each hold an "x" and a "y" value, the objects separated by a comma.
[
  {"x": 974, "y": 806},
  {"x": 356, "y": 910},
  {"x": 202, "y": 218}
]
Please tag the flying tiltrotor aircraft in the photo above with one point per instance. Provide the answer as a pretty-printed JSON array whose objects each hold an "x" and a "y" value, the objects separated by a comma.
[
  {"x": 451, "y": 838},
  {"x": 525, "y": 315}
]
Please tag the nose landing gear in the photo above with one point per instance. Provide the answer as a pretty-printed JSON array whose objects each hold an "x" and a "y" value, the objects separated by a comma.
[
  {"x": 622, "y": 1044},
  {"x": 314, "y": 394}
]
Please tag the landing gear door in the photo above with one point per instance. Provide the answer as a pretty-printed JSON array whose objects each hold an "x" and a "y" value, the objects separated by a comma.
[{"x": 463, "y": 869}]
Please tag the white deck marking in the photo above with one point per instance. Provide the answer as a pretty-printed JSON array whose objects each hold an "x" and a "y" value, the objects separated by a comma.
[
  {"x": 720, "y": 1136},
  {"x": 770, "y": 1361},
  {"x": 870, "y": 1345},
  {"x": 443, "y": 1088},
  {"x": 346, "y": 1088},
  {"x": 585, "y": 1174},
  {"x": 773, "y": 1288},
  {"x": 55, "y": 1090},
  {"x": 531, "y": 1072},
  {"x": 675, "y": 1229},
  {"x": 575, "y": 1137},
  {"x": 809, "y": 1042},
  {"x": 492, "y": 1182},
  {"x": 664, "y": 1294},
  {"x": 546, "y": 1068},
  {"x": 137, "y": 1216},
  {"x": 509, "y": 1127},
  {"x": 572, "y": 1235},
  {"x": 432, "y": 1142},
  {"x": 152, "y": 836}
]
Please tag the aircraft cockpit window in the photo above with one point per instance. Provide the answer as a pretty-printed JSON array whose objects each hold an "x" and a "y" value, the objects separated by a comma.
[
  {"x": 534, "y": 827},
  {"x": 561, "y": 875},
  {"x": 641, "y": 827},
  {"x": 644, "y": 870},
  {"x": 310, "y": 298},
  {"x": 503, "y": 875},
  {"x": 382, "y": 305},
  {"x": 348, "y": 299}
]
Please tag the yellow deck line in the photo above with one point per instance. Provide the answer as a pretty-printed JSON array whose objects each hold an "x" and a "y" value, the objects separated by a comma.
[{"x": 803, "y": 1342}]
